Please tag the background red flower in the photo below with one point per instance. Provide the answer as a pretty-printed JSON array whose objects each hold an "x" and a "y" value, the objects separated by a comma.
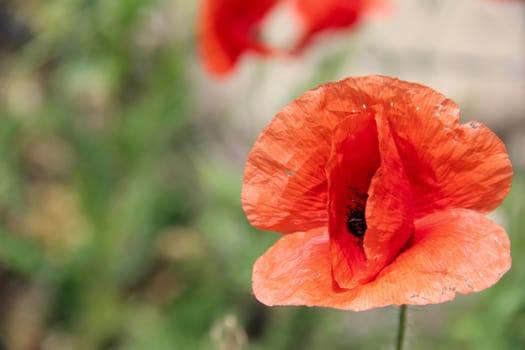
[
  {"x": 229, "y": 28},
  {"x": 319, "y": 16}
]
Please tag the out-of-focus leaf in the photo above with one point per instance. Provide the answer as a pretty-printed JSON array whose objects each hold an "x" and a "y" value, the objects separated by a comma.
[{"x": 21, "y": 255}]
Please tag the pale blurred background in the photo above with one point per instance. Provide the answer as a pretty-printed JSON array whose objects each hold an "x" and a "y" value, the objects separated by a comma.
[{"x": 121, "y": 165}]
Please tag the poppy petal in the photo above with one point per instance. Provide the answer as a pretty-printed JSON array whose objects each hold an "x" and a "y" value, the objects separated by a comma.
[
  {"x": 453, "y": 251},
  {"x": 449, "y": 165},
  {"x": 353, "y": 160},
  {"x": 388, "y": 208},
  {"x": 227, "y": 28},
  {"x": 296, "y": 270},
  {"x": 318, "y": 16},
  {"x": 284, "y": 187}
]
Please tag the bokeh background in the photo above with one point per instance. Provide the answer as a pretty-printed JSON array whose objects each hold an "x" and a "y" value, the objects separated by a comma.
[{"x": 121, "y": 166}]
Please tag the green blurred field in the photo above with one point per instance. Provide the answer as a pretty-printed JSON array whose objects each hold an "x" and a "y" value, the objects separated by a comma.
[{"x": 121, "y": 226}]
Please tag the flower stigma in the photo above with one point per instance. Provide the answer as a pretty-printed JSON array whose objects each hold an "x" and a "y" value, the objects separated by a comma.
[{"x": 355, "y": 215}]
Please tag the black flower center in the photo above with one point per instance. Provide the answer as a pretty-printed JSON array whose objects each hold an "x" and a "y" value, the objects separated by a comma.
[{"x": 355, "y": 214}]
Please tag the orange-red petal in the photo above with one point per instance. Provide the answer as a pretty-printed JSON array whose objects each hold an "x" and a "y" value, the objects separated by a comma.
[
  {"x": 296, "y": 270},
  {"x": 228, "y": 28},
  {"x": 388, "y": 213},
  {"x": 284, "y": 187},
  {"x": 389, "y": 210},
  {"x": 366, "y": 159},
  {"x": 449, "y": 165},
  {"x": 353, "y": 160},
  {"x": 453, "y": 251},
  {"x": 319, "y": 16}
]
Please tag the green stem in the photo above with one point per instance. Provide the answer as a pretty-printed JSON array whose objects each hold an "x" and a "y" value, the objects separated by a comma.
[{"x": 402, "y": 327}]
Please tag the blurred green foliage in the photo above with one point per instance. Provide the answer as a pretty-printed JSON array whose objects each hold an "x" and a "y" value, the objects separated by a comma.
[{"x": 119, "y": 231}]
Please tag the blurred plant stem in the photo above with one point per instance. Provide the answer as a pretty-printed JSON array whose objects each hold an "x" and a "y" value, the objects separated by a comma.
[{"x": 401, "y": 327}]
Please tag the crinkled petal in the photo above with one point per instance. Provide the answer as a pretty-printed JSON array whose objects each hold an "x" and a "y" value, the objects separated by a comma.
[
  {"x": 285, "y": 187},
  {"x": 389, "y": 210},
  {"x": 354, "y": 159},
  {"x": 367, "y": 160},
  {"x": 453, "y": 251},
  {"x": 296, "y": 270},
  {"x": 449, "y": 165}
]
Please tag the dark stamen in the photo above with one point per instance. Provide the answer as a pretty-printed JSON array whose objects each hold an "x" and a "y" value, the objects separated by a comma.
[{"x": 355, "y": 216}]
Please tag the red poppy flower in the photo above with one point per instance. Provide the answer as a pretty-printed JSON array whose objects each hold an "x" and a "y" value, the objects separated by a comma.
[
  {"x": 381, "y": 195},
  {"x": 229, "y": 28},
  {"x": 318, "y": 16}
]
